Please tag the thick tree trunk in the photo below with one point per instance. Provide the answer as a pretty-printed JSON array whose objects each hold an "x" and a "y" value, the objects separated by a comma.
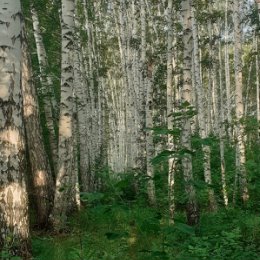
[{"x": 14, "y": 224}]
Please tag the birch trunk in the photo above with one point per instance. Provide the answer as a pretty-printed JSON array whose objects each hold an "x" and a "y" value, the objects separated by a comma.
[
  {"x": 169, "y": 83},
  {"x": 50, "y": 106},
  {"x": 81, "y": 92},
  {"x": 191, "y": 207},
  {"x": 14, "y": 224},
  {"x": 64, "y": 194},
  {"x": 257, "y": 84},
  {"x": 240, "y": 167},
  {"x": 40, "y": 167},
  {"x": 227, "y": 73},
  {"x": 149, "y": 143},
  {"x": 222, "y": 132},
  {"x": 147, "y": 86},
  {"x": 201, "y": 115}
]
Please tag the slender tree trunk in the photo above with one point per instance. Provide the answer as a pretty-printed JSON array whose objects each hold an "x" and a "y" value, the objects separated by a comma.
[
  {"x": 50, "y": 105},
  {"x": 227, "y": 74},
  {"x": 14, "y": 224},
  {"x": 222, "y": 132},
  {"x": 201, "y": 115},
  {"x": 64, "y": 200},
  {"x": 192, "y": 210},
  {"x": 257, "y": 85},
  {"x": 170, "y": 97},
  {"x": 240, "y": 167},
  {"x": 40, "y": 167},
  {"x": 147, "y": 75}
]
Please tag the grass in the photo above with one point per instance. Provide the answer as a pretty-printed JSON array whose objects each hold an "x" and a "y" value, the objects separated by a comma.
[{"x": 129, "y": 231}]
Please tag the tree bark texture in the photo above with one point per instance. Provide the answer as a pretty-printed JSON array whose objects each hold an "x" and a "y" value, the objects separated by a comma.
[{"x": 14, "y": 224}]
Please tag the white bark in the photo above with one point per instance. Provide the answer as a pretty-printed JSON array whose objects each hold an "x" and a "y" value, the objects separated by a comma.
[
  {"x": 170, "y": 100},
  {"x": 257, "y": 83},
  {"x": 14, "y": 232},
  {"x": 241, "y": 170},
  {"x": 201, "y": 114},
  {"x": 192, "y": 207},
  {"x": 64, "y": 200},
  {"x": 227, "y": 73},
  {"x": 50, "y": 105},
  {"x": 147, "y": 92},
  {"x": 222, "y": 132},
  {"x": 43, "y": 184}
]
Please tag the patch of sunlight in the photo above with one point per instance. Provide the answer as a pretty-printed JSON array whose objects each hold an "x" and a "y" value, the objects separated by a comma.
[
  {"x": 15, "y": 215},
  {"x": 4, "y": 90},
  {"x": 29, "y": 105},
  {"x": 40, "y": 179},
  {"x": 65, "y": 127},
  {"x": 12, "y": 137},
  {"x": 132, "y": 240}
]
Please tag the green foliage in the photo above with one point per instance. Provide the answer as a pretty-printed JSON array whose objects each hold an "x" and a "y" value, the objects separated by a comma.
[
  {"x": 8, "y": 251},
  {"x": 118, "y": 224}
]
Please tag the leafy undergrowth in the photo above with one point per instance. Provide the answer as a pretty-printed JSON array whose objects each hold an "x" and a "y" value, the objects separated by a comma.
[{"x": 133, "y": 231}]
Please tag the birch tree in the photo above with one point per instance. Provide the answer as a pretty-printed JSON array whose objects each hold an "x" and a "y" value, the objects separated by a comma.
[
  {"x": 147, "y": 91},
  {"x": 49, "y": 102},
  {"x": 170, "y": 108},
  {"x": 227, "y": 71},
  {"x": 240, "y": 142},
  {"x": 201, "y": 115},
  {"x": 14, "y": 224},
  {"x": 65, "y": 193},
  {"x": 40, "y": 167},
  {"x": 191, "y": 207}
]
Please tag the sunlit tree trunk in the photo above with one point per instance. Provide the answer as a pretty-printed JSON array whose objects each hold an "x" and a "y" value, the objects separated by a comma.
[
  {"x": 14, "y": 224},
  {"x": 191, "y": 207},
  {"x": 64, "y": 201},
  {"x": 240, "y": 149},
  {"x": 40, "y": 167}
]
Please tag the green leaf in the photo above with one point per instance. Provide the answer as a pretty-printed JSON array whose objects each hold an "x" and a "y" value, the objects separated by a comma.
[
  {"x": 150, "y": 226},
  {"x": 165, "y": 131},
  {"x": 185, "y": 104},
  {"x": 160, "y": 254},
  {"x": 91, "y": 197},
  {"x": 184, "y": 228},
  {"x": 114, "y": 235},
  {"x": 185, "y": 151},
  {"x": 4, "y": 254},
  {"x": 163, "y": 156}
]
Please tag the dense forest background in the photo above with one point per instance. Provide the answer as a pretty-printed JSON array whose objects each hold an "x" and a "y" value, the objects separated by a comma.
[{"x": 129, "y": 129}]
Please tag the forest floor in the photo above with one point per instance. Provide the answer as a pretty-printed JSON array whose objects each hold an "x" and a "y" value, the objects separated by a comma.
[{"x": 108, "y": 229}]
